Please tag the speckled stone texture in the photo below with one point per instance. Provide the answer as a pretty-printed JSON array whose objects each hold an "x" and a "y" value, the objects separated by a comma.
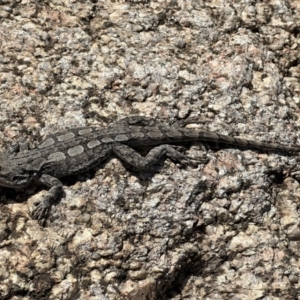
[{"x": 225, "y": 230}]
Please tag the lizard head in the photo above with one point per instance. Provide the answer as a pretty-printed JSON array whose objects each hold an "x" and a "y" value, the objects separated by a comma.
[{"x": 11, "y": 175}]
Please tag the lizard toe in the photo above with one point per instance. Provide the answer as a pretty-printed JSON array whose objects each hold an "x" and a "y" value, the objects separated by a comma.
[{"x": 40, "y": 211}]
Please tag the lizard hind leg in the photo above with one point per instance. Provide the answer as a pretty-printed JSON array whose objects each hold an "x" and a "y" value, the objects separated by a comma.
[{"x": 134, "y": 159}]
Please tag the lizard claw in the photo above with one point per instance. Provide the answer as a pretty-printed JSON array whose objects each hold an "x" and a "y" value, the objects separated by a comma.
[
  {"x": 185, "y": 160},
  {"x": 41, "y": 210},
  {"x": 190, "y": 161}
]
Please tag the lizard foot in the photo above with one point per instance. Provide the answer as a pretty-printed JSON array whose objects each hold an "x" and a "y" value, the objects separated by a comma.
[{"x": 41, "y": 210}]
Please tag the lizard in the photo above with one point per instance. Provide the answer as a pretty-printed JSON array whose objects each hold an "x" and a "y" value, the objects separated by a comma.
[{"x": 79, "y": 149}]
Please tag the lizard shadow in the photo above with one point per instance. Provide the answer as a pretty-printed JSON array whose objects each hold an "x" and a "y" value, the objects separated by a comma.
[
  {"x": 10, "y": 196},
  {"x": 21, "y": 195}
]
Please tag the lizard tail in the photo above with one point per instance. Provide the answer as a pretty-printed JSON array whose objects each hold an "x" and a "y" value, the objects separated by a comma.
[{"x": 207, "y": 136}]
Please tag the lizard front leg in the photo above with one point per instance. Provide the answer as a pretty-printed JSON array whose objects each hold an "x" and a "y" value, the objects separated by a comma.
[
  {"x": 56, "y": 188},
  {"x": 133, "y": 158}
]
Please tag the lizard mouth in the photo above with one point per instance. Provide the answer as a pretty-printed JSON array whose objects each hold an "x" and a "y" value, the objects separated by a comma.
[
  {"x": 20, "y": 180},
  {"x": 6, "y": 183},
  {"x": 17, "y": 181}
]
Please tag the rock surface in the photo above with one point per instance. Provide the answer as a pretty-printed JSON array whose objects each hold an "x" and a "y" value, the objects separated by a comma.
[{"x": 226, "y": 230}]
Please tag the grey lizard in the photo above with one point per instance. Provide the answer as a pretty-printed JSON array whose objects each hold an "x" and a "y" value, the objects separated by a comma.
[{"x": 79, "y": 149}]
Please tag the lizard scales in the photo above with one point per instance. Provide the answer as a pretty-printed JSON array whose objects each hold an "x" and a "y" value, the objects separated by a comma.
[{"x": 79, "y": 149}]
